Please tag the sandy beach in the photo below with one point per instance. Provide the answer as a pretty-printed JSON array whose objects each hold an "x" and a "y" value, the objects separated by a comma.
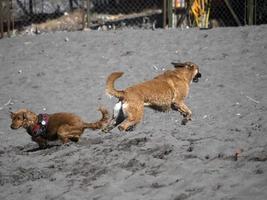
[{"x": 220, "y": 154}]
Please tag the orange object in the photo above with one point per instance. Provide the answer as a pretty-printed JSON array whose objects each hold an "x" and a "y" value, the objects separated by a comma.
[
  {"x": 179, "y": 3},
  {"x": 196, "y": 9}
]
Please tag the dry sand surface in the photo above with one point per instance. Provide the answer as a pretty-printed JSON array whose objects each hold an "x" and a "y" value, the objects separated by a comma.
[{"x": 220, "y": 154}]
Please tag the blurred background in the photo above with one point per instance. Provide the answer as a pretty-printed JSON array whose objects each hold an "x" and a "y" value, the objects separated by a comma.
[{"x": 37, "y": 16}]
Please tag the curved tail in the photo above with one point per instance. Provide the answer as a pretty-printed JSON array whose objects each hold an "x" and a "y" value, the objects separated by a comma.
[
  {"x": 110, "y": 85},
  {"x": 100, "y": 123}
]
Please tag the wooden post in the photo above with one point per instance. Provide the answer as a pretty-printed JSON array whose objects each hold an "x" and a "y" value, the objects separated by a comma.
[
  {"x": 164, "y": 13},
  {"x": 170, "y": 13},
  {"x": 83, "y": 14},
  {"x": 12, "y": 16},
  {"x": 250, "y": 11},
  {"x": 245, "y": 13},
  {"x": 8, "y": 18},
  {"x": 1, "y": 20},
  {"x": 88, "y": 13}
]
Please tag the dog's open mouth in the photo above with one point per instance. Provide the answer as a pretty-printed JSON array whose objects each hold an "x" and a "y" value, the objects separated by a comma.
[{"x": 197, "y": 76}]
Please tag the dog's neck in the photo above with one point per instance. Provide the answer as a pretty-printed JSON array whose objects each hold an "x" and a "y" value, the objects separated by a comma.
[
  {"x": 186, "y": 77},
  {"x": 189, "y": 78}
]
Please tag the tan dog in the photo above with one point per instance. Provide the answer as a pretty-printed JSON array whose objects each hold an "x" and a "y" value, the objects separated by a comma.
[
  {"x": 48, "y": 127},
  {"x": 165, "y": 91}
]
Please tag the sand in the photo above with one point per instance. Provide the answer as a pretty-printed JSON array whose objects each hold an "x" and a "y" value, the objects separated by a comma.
[{"x": 220, "y": 154}]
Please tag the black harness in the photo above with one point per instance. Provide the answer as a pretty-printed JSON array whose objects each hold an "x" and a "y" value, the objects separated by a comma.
[{"x": 40, "y": 128}]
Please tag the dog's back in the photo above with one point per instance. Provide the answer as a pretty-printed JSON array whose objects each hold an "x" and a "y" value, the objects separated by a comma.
[
  {"x": 58, "y": 119},
  {"x": 158, "y": 91}
]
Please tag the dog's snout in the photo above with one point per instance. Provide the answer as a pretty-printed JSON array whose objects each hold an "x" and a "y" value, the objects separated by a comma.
[
  {"x": 197, "y": 76},
  {"x": 14, "y": 126}
]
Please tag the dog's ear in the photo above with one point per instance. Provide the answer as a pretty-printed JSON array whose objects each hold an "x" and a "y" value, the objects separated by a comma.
[
  {"x": 188, "y": 65},
  {"x": 11, "y": 115},
  {"x": 177, "y": 65},
  {"x": 182, "y": 65}
]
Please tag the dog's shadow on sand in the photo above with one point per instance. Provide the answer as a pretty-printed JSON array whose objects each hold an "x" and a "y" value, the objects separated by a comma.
[
  {"x": 42, "y": 148},
  {"x": 56, "y": 146}
]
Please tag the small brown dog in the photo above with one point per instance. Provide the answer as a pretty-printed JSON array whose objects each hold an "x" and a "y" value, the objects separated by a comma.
[
  {"x": 165, "y": 91},
  {"x": 48, "y": 127}
]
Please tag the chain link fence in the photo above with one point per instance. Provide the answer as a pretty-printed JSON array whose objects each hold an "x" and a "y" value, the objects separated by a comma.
[
  {"x": 36, "y": 16},
  {"x": 239, "y": 12}
]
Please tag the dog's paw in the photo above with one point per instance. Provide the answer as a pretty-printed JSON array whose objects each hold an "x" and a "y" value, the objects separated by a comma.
[
  {"x": 43, "y": 145},
  {"x": 107, "y": 129},
  {"x": 66, "y": 144},
  {"x": 130, "y": 128},
  {"x": 74, "y": 139},
  {"x": 121, "y": 128}
]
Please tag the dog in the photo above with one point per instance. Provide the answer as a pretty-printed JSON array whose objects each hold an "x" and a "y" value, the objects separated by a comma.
[
  {"x": 48, "y": 127},
  {"x": 166, "y": 91}
]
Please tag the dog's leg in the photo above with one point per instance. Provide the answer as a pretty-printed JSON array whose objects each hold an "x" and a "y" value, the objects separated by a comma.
[
  {"x": 67, "y": 133},
  {"x": 41, "y": 142},
  {"x": 184, "y": 110},
  {"x": 134, "y": 115},
  {"x": 62, "y": 135}
]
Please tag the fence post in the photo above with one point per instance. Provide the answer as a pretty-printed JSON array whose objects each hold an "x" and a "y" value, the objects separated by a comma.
[
  {"x": 1, "y": 20},
  {"x": 170, "y": 13},
  {"x": 250, "y": 12},
  {"x": 8, "y": 18},
  {"x": 164, "y": 13},
  {"x": 83, "y": 14},
  {"x": 88, "y": 13}
]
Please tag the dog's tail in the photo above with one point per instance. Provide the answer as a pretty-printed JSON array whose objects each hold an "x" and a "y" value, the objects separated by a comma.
[
  {"x": 100, "y": 123},
  {"x": 110, "y": 85}
]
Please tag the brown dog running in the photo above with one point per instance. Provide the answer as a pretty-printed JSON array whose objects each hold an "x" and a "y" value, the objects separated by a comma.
[
  {"x": 48, "y": 127},
  {"x": 165, "y": 91}
]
